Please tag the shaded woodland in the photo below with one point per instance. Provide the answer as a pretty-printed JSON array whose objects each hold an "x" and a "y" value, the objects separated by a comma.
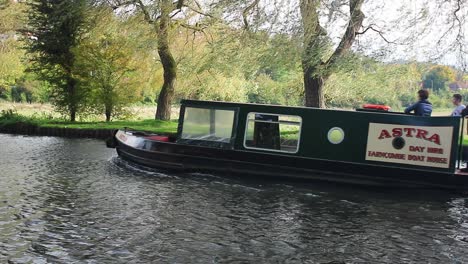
[{"x": 99, "y": 57}]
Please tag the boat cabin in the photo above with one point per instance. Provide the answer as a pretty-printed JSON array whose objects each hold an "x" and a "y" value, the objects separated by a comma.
[
  {"x": 354, "y": 137},
  {"x": 373, "y": 147}
]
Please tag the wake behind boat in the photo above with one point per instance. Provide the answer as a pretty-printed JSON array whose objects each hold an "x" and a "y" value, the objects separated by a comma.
[{"x": 362, "y": 147}]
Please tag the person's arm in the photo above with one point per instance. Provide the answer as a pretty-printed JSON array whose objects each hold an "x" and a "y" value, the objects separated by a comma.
[
  {"x": 458, "y": 110},
  {"x": 464, "y": 113},
  {"x": 411, "y": 108}
]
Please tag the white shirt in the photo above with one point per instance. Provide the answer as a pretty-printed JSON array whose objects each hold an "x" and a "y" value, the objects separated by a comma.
[{"x": 458, "y": 110}]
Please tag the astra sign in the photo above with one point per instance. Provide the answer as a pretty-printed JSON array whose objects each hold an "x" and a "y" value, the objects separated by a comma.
[{"x": 413, "y": 145}]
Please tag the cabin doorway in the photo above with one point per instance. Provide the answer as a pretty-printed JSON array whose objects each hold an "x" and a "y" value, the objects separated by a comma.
[{"x": 273, "y": 132}]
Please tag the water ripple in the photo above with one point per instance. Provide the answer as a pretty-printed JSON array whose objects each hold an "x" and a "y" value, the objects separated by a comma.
[{"x": 74, "y": 201}]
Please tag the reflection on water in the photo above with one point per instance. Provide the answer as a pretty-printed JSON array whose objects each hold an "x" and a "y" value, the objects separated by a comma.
[{"x": 74, "y": 201}]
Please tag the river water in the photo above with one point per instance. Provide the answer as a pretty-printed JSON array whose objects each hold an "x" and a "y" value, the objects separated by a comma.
[{"x": 75, "y": 201}]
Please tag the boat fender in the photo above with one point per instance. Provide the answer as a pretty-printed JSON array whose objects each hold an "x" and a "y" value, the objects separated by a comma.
[
  {"x": 158, "y": 138},
  {"x": 377, "y": 107},
  {"x": 111, "y": 142}
]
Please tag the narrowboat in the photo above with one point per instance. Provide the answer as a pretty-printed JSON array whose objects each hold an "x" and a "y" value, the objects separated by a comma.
[{"x": 371, "y": 147}]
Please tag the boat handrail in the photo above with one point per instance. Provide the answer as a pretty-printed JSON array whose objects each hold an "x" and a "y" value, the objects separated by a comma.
[{"x": 275, "y": 122}]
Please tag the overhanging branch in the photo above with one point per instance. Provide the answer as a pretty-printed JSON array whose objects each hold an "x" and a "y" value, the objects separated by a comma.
[
  {"x": 381, "y": 34},
  {"x": 143, "y": 9},
  {"x": 246, "y": 13},
  {"x": 198, "y": 10},
  {"x": 354, "y": 24}
]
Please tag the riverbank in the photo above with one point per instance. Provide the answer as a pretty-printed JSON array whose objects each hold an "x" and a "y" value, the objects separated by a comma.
[
  {"x": 134, "y": 112},
  {"x": 13, "y": 123},
  {"x": 17, "y": 124},
  {"x": 41, "y": 119}
]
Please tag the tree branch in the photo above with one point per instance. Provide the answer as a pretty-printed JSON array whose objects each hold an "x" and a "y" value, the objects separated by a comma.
[
  {"x": 198, "y": 10},
  {"x": 194, "y": 28},
  {"x": 381, "y": 34},
  {"x": 143, "y": 8},
  {"x": 179, "y": 4},
  {"x": 354, "y": 24},
  {"x": 246, "y": 12}
]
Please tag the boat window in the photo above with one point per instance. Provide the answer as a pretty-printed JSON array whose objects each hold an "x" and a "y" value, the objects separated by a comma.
[
  {"x": 336, "y": 135},
  {"x": 273, "y": 132},
  {"x": 208, "y": 124}
]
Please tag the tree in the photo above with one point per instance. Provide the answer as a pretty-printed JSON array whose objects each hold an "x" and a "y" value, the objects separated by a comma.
[
  {"x": 11, "y": 53},
  {"x": 235, "y": 65},
  {"x": 11, "y": 65},
  {"x": 330, "y": 29},
  {"x": 3, "y": 92},
  {"x": 19, "y": 93},
  {"x": 107, "y": 62},
  {"x": 438, "y": 77},
  {"x": 319, "y": 58},
  {"x": 55, "y": 27},
  {"x": 316, "y": 68},
  {"x": 12, "y": 14},
  {"x": 164, "y": 16}
]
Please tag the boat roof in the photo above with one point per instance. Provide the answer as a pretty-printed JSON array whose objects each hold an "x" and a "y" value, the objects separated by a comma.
[
  {"x": 363, "y": 133},
  {"x": 203, "y": 103}
]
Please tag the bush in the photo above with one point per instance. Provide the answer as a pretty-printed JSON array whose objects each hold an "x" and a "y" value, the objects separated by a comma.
[
  {"x": 441, "y": 99},
  {"x": 8, "y": 114},
  {"x": 3, "y": 92},
  {"x": 10, "y": 117}
]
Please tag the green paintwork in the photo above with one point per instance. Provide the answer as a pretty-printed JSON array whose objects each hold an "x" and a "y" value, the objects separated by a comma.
[{"x": 316, "y": 124}]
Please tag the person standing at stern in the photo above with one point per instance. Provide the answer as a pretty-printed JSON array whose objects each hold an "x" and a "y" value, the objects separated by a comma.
[
  {"x": 423, "y": 107},
  {"x": 459, "y": 107}
]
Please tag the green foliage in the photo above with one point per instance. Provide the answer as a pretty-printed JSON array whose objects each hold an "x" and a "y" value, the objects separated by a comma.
[
  {"x": 11, "y": 117},
  {"x": 368, "y": 81},
  {"x": 109, "y": 64},
  {"x": 438, "y": 77},
  {"x": 56, "y": 27},
  {"x": 150, "y": 125},
  {"x": 237, "y": 66},
  {"x": 13, "y": 16},
  {"x": 99, "y": 61},
  {"x": 21, "y": 94},
  {"x": 8, "y": 114},
  {"x": 286, "y": 91},
  {"x": 11, "y": 66},
  {"x": 4, "y": 92}
]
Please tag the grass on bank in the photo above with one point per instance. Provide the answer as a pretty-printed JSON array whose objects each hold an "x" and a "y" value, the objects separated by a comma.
[
  {"x": 465, "y": 141},
  {"x": 10, "y": 118},
  {"x": 150, "y": 125}
]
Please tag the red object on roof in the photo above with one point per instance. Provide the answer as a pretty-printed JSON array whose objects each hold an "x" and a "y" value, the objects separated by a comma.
[
  {"x": 377, "y": 107},
  {"x": 158, "y": 138}
]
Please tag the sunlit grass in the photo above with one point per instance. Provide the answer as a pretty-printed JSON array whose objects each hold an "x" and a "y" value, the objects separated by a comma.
[
  {"x": 36, "y": 110},
  {"x": 43, "y": 115},
  {"x": 12, "y": 118},
  {"x": 150, "y": 125}
]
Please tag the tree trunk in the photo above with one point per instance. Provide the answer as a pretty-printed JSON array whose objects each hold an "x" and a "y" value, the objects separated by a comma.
[
  {"x": 314, "y": 43},
  {"x": 163, "y": 111},
  {"x": 316, "y": 70},
  {"x": 108, "y": 115},
  {"x": 108, "y": 97},
  {"x": 313, "y": 89},
  {"x": 72, "y": 104},
  {"x": 72, "y": 115}
]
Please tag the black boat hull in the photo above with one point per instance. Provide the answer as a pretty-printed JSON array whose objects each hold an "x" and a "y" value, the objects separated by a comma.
[{"x": 188, "y": 158}]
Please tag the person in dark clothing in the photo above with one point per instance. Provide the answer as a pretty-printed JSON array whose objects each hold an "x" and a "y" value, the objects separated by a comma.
[{"x": 423, "y": 107}]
